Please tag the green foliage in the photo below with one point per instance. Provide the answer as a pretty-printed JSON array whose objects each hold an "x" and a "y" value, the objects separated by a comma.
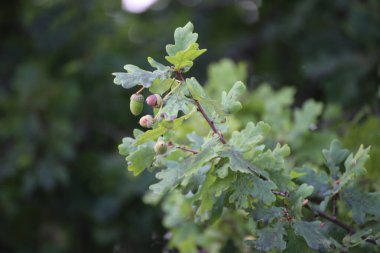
[
  {"x": 63, "y": 186},
  {"x": 247, "y": 175}
]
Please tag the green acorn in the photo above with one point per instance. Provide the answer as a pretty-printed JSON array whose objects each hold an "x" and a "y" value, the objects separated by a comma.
[
  {"x": 136, "y": 104},
  {"x": 161, "y": 147}
]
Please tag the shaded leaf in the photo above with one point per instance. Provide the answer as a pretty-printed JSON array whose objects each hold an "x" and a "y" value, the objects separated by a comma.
[
  {"x": 168, "y": 177},
  {"x": 297, "y": 197},
  {"x": 271, "y": 239},
  {"x": 313, "y": 235},
  {"x": 230, "y": 102},
  {"x": 362, "y": 203},
  {"x": 126, "y": 147},
  {"x": 238, "y": 163},
  {"x": 354, "y": 166},
  {"x": 267, "y": 215},
  {"x": 141, "y": 159},
  {"x": 334, "y": 156}
]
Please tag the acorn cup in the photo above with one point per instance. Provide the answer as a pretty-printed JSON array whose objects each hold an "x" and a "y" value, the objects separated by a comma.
[
  {"x": 154, "y": 100},
  {"x": 136, "y": 104}
]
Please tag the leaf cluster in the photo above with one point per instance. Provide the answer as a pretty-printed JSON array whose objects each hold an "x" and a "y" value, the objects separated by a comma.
[{"x": 242, "y": 183}]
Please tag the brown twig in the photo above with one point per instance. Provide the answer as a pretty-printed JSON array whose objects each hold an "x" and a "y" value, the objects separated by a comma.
[
  {"x": 326, "y": 216},
  {"x": 280, "y": 193},
  {"x": 202, "y": 111},
  {"x": 187, "y": 149},
  {"x": 209, "y": 121},
  {"x": 171, "y": 144},
  {"x": 332, "y": 219}
]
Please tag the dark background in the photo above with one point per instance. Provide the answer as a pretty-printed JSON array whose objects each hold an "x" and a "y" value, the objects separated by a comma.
[{"x": 63, "y": 186}]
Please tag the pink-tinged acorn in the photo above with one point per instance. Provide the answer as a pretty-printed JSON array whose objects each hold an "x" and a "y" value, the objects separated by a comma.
[
  {"x": 146, "y": 121},
  {"x": 154, "y": 100}
]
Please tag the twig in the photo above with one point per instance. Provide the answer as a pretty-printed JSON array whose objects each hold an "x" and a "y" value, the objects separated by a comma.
[
  {"x": 171, "y": 144},
  {"x": 280, "y": 193},
  {"x": 202, "y": 111},
  {"x": 326, "y": 216},
  {"x": 209, "y": 121},
  {"x": 332, "y": 219}
]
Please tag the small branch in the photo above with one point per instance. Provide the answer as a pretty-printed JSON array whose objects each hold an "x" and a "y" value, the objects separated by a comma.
[
  {"x": 326, "y": 216},
  {"x": 332, "y": 219},
  {"x": 209, "y": 121},
  {"x": 188, "y": 150},
  {"x": 170, "y": 144},
  {"x": 202, "y": 111},
  {"x": 280, "y": 193}
]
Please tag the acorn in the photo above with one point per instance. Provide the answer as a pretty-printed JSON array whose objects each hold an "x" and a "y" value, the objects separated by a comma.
[
  {"x": 136, "y": 104},
  {"x": 146, "y": 121},
  {"x": 161, "y": 147},
  {"x": 154, "y": 100}
]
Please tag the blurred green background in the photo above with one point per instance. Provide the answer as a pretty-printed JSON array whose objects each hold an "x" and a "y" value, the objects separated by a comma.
[{"x": 63, "y": 186}]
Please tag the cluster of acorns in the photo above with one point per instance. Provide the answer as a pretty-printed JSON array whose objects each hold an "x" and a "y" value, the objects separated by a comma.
[{"x": 137, "y": 104}]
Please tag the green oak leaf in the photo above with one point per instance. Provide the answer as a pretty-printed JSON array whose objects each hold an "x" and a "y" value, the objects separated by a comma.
[
  {"x": 183, "y": 38},
  {"x": 195, "y": 162},
  {"x": 334, "y": 156},
  {"x": 160, "y": 86},
  {"x": 177, "y": 102},
  {"x": 296, "y": 244},
  {"x": 356, "y": 239},
  {"x": 136, "y": 76},
  {"x": 150, "y": 135},
  {"x": 141, "y": 159},
  {"x": 184, "y": 59},
  {"x": 318, "y": 179},
  {"x": 223, "y": 74},
  {"x": 241, "y": 192},
  {"x": 246, "y": 186},
  {"x": 354, "y": 166},
  {"x": 313, "y": 235},
  {"x": 272, "y": 159},
  {"x": 198, "y": 93},
  {"x": 196, "y": 90},
  {"x": 271, "y": 238},
  {"x": 238, "y": 163},
  {"x": 169, "y": 178},
  {"x": 157, "y": 65},
  {"x": 230, "y": 103},
  {"x": 267, "y": 215},
  {"x": 305, "y": 118},
  {"x": 297, "y": 197},
  {"x": 262, "y": 190},
  {"x": 362, "y": 203},
  {"x": 246, "y": 139},
  {"x": 126, "y": 147},
  {"x": 207, "y": 196}
]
